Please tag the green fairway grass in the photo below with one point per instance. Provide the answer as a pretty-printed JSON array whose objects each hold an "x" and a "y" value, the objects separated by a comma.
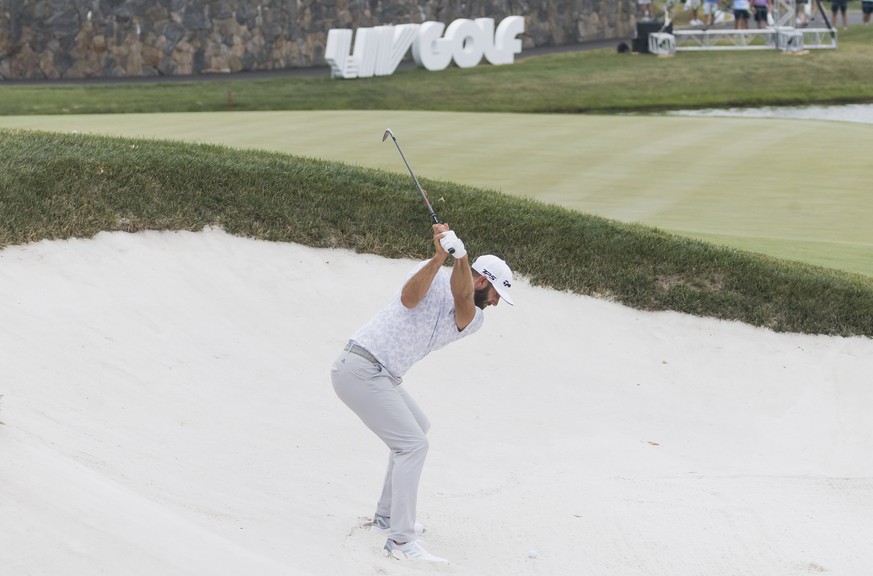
[{"x": 781, "y": 187}]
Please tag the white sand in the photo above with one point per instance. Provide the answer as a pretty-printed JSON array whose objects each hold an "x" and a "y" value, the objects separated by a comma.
[{"x": 167, "y": 410}]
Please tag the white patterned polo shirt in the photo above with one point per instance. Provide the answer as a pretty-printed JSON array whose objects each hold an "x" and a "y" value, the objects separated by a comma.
[{"x": 399, "y": 337}]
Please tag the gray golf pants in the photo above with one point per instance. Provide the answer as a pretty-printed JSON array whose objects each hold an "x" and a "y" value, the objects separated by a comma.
[{"x": 382, "y": 403}]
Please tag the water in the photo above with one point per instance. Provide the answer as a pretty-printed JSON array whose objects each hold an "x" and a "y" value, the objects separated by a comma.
[{"x": 859, "y": 113}]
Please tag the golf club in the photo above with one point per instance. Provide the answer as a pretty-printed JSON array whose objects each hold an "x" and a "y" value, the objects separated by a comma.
[{"x": 433, "y": 215}]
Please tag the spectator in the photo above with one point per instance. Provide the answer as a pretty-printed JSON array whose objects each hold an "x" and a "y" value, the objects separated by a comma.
[
  {"x": 801, "y": 13},
  {"x": 741, "y": 14},
  {"x": 867, "y": 9},
  {"x": 693, "y": 6},
  {"x": 839, "y": 6},
  {"x": 710, "y": 9},
  {"x": 762, "y": 9},
  {"x": 815, "y": 8},
  {"x": 646, "y": 6}
]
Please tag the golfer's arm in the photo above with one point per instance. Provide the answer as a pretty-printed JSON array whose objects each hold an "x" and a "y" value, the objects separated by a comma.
[
  {"x": 417, "y": 286},
  {"x": 462, "y": 291}
]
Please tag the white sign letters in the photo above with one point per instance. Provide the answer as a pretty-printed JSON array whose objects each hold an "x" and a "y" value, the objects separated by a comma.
[{"x": 379, "y": 50}]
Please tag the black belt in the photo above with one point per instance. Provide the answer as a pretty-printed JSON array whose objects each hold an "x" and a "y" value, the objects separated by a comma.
[{"x": 362, "y": 352}]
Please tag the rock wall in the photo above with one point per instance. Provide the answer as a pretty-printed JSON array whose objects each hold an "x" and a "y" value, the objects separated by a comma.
[{"x": 70, "y": 39}]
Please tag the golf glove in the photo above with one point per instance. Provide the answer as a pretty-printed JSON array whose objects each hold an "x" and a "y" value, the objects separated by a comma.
[{"x": 452, "y": 244}]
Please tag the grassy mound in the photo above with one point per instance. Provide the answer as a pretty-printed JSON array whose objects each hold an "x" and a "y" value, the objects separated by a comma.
[{"x": 59, "y": 186}]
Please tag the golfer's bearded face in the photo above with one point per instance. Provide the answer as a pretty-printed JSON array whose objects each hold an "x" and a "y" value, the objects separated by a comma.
[{"x": 482, "y": 297}]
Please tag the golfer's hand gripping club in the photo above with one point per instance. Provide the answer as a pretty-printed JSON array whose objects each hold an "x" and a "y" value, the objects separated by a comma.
[
  {"x": 430, "y": 211},
  {"x": 452, "y": 244}
]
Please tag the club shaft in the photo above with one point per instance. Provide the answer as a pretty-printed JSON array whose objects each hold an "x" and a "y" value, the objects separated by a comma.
[{"x": 433, "y": 215}]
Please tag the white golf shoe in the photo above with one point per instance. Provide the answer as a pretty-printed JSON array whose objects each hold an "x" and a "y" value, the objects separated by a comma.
[{"x": 411, "y": 551}]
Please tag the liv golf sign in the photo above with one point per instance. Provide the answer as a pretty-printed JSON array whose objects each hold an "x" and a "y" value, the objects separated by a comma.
[{"x": 379, "y": 50}]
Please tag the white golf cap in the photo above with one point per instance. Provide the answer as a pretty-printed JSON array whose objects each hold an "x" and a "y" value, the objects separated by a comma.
[{"x": 497, "y": 272}]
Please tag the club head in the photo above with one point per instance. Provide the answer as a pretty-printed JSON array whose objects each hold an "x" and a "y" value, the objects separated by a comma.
[{"x": 387, "y": 133}]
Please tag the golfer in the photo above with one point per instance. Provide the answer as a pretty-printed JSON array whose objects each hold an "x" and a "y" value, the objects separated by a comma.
[{"x": 434, "y": 307}]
